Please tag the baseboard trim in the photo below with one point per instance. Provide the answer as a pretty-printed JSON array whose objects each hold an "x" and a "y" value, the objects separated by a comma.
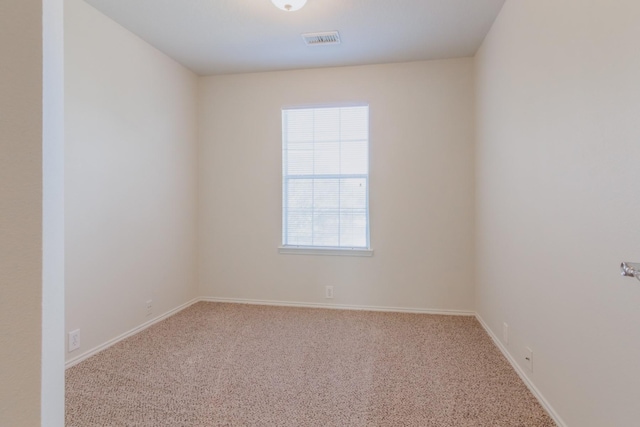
[
  {"x": 522, "y": 374},
  {"x": 339, "y": 306},
  {"x": 98, "y": 349}
]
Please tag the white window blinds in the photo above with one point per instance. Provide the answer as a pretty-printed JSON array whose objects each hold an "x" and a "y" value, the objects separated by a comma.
[{"x": 325, "y": 158}]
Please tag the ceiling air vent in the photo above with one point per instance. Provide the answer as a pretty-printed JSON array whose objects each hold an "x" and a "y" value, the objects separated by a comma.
[{"x": 321, "y": 39}]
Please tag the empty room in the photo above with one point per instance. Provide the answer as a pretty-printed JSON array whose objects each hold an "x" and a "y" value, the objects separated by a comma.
[{"x": 320, "y": 213}]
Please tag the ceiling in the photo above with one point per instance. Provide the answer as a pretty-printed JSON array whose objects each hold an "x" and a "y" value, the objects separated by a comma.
[{"x": 239, "y": 36}]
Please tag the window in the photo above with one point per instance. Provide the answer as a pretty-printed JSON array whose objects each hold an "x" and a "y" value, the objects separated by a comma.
[{"x": 325, "y": 185}]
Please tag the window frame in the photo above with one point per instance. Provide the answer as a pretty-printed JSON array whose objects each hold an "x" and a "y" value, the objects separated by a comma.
[{"x": 326, "y": 250}]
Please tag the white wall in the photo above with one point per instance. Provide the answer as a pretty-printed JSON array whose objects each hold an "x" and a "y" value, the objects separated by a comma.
[
  {"x": 558, "y": 178},
  {"x": 130, "y": 178},
  {"x": 421, "y": 187},
  {"x": 31, "y": 368}
]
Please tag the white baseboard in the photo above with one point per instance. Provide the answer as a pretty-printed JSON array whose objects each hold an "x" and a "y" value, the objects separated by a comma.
[
  {"x": 523, "y": 375},
  {"x": 127, "y": 334},
  {"x": 340, "y": 306}
]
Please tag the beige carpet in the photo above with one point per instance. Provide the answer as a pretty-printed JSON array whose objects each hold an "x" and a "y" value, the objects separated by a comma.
[{"x": 241, "y": 365}]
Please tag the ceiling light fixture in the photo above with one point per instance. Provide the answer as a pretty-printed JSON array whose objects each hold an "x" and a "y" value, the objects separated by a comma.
[{"x": 289, "y": 5}]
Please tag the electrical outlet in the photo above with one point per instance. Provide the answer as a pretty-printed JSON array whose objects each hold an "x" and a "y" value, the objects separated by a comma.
[
  {"x": 505, "y": 333},
  {"x": 149, "y": 307},
  {"x": 528, "y": 358},
  {"x": 328, "y": 292},
  {"x": 74, "y": 340}
]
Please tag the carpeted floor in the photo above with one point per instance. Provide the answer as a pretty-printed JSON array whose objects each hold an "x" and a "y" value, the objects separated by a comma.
[{"x": 242, "y": 365}]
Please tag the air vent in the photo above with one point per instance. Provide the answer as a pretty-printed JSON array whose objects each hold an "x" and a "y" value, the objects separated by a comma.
[{"x": 318, "y": 39}]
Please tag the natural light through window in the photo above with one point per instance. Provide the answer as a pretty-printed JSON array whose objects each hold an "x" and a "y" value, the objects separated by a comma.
[{"x": 325, "y": 186}]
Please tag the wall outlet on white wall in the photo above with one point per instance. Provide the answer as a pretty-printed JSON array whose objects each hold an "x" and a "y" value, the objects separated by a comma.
[
  {"x": 328, "y": 292},
  {"x": 149, "y": 307},
  {"x": 74, "y": 340},
  {"x": 505, "y": 333},
  {"x": 528, "y": 358}
]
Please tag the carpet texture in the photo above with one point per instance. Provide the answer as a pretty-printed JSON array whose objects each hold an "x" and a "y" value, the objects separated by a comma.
[{"x": 241, "y": 365}]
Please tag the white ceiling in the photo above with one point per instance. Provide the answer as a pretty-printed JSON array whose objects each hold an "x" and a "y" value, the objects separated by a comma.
[{"x": 238, "y": 36}]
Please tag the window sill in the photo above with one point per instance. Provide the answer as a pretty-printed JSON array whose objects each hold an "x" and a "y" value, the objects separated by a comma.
[{"x": 308, "y": 250}]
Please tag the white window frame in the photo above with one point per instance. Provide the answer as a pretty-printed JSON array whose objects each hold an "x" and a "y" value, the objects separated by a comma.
[{"x": 329, "y": 250}]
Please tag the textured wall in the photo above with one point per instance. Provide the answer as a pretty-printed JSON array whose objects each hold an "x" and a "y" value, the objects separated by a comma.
[
  {"x": 130, "y": 119},
  {"x": 421, "y": 187},
  {"x": 558, "y": 205},
  {"x": 20, "y": 212}
]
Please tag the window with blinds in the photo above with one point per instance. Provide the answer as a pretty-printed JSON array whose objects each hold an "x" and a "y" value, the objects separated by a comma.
[{"x": 325, "y": 158}]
